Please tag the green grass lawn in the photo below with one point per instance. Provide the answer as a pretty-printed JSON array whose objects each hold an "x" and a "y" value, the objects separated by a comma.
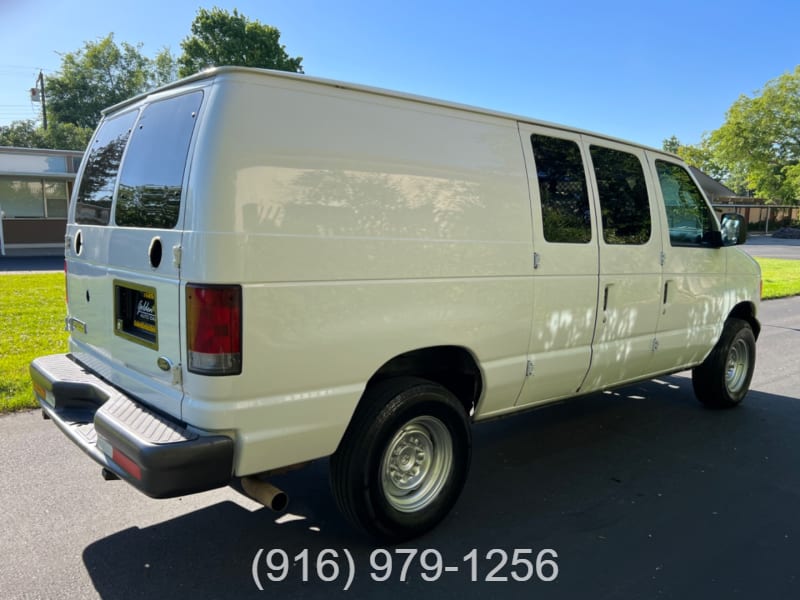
[
  {"x": 32, "y": 317},
  {"x": 781, "y": 277},
  {"x": 32, "y": 314}
]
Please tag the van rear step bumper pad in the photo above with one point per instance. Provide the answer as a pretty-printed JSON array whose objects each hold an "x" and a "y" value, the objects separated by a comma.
[{"x": 173, "y": 460}]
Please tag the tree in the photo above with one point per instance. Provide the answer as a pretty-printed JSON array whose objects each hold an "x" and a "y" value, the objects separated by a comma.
[
  {"x": 94, "y": 77},
  {"x": 220, "y": 38},
  {"x": 28, "y": 134},
  {"x": 164, "y": 68},
  {"x": 100, "y": 75},
  {"x": 759, "y": 143},
  {"x": 671, "y": 144},
  {"x": 702, "y": 157}
]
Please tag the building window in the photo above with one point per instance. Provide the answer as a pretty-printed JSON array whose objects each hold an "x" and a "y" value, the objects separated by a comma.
[
  {"x": 34, "y": 164},
  {"x": 21, "y": 198},
  {"x": 33, "y": 198},
  {"x": 55, "y": 195}
]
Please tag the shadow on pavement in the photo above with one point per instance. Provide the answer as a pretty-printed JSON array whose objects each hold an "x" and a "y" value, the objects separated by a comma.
[{"x": 641, "y": 492}]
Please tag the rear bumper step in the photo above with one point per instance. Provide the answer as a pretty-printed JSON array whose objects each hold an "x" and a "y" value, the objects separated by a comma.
[{"x": 156, "y": 454}]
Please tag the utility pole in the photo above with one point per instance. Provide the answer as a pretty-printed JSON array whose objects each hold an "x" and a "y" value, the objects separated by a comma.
[{"x": 40, "y": 81}]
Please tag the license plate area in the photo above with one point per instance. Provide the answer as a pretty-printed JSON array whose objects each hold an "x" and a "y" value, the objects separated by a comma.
[{"x": 136, "y": 313}]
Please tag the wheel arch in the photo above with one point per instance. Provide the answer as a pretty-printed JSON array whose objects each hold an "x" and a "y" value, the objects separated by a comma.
[
  {"x": 747, "y": 312},
  {"x": 453, "y": 367}
]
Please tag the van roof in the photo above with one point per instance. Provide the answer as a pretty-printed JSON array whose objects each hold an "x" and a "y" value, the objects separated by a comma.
[{"x": 255, "y": 72}]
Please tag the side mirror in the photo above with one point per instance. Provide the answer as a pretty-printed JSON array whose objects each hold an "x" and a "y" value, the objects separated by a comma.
[{"x": 734, "y": 229}]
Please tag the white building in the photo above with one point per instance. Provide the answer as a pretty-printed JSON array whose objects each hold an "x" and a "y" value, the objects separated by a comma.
[{"x": 35, "y": 186}]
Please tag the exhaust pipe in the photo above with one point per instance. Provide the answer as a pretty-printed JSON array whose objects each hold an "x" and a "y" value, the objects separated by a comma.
[{"x": 265, "y": 493}]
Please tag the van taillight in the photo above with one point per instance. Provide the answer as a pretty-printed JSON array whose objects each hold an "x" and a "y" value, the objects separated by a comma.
[{"x": 214, "y": 329}]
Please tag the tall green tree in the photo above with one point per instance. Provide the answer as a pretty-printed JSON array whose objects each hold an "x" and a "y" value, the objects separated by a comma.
[
  {"x": 759, "y": 143},
  {"x": 96, "y": 76},
  {"x": 221, "y": 38},
  {"x": 99, "y": 75}
]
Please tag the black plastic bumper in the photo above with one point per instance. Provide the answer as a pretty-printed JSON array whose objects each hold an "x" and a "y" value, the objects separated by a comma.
[{"x": 154, "y": 453}]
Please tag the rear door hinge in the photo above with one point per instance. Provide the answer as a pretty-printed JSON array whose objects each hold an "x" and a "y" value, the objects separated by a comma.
[
  {"x": 663, "y": 258},
  {"x": 655, "y": 344},
  {"x": 177, "y": 253},
  {"x": 177, "y": 375},
  {"x": 529, "y": 369}
]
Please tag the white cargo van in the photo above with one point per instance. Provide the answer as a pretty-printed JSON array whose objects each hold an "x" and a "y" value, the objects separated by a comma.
[{"x": 264, "y": 269}]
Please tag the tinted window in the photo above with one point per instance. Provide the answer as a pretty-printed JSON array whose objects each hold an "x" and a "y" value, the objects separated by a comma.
[
  {"x": 624, "y": 203},
  {"x": 21, "y": 198},
  {"x": 562, "y": 189},
  {"x": 93, "y": 206},
  {"x": 688, "y": 216},
  {"x": 151, "y": 179},
  {"x": 55, "y": 194}
]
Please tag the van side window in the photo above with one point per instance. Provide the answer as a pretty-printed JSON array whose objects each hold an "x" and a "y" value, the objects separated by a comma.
[
  {"x": 150, "y": 184},
  {"x": 688, "y": 214},
  {"x": 624, "y": 203},
  {"x": 562, "y": 190},
  {"x": 93, "y": 205}
]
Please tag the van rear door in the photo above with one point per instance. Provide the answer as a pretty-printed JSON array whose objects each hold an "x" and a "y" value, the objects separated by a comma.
[{"x": 123, "y": 255}]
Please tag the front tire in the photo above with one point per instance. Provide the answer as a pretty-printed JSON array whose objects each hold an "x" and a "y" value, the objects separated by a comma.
[
  {"x": 403, "y": 460},
  {"x": 723, "y": 380}
]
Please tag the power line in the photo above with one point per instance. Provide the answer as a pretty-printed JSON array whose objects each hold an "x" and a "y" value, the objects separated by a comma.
[{"x": 28, "y": 68}]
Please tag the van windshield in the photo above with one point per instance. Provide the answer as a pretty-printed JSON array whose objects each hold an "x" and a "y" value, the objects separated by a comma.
[{"x": 150, "y": 184}]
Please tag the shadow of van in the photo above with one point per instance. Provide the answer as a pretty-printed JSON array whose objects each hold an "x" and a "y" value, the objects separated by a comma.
[{"x": 640, "y": 492}]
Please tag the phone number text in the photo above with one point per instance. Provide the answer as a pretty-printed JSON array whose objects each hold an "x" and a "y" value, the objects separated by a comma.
[{"x": 339, "y": 567}]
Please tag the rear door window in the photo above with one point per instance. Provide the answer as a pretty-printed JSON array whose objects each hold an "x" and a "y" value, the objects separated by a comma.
[
  {"x": 93, "y": 206},
  {"x": 150, "y": 185}
]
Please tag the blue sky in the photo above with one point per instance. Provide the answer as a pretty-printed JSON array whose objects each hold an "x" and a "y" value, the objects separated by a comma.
[{"x": 638, "y": 70}]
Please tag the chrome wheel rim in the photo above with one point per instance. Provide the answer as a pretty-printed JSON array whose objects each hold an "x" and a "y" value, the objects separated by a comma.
[
  {"x": 737, "y": 366},
  {"x": 416, "y": 464}
]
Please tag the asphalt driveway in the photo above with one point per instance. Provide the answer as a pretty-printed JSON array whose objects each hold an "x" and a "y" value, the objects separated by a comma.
[
  {"x": 642, "y": 493},
  {"x": 766, "y": 246},
  {"x": 24, "y": 264}
]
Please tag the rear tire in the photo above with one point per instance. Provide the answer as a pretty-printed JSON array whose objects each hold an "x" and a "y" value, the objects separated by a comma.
[
  {"x": 723, "y": 380},
  {"x": 403, "y": 460}
]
